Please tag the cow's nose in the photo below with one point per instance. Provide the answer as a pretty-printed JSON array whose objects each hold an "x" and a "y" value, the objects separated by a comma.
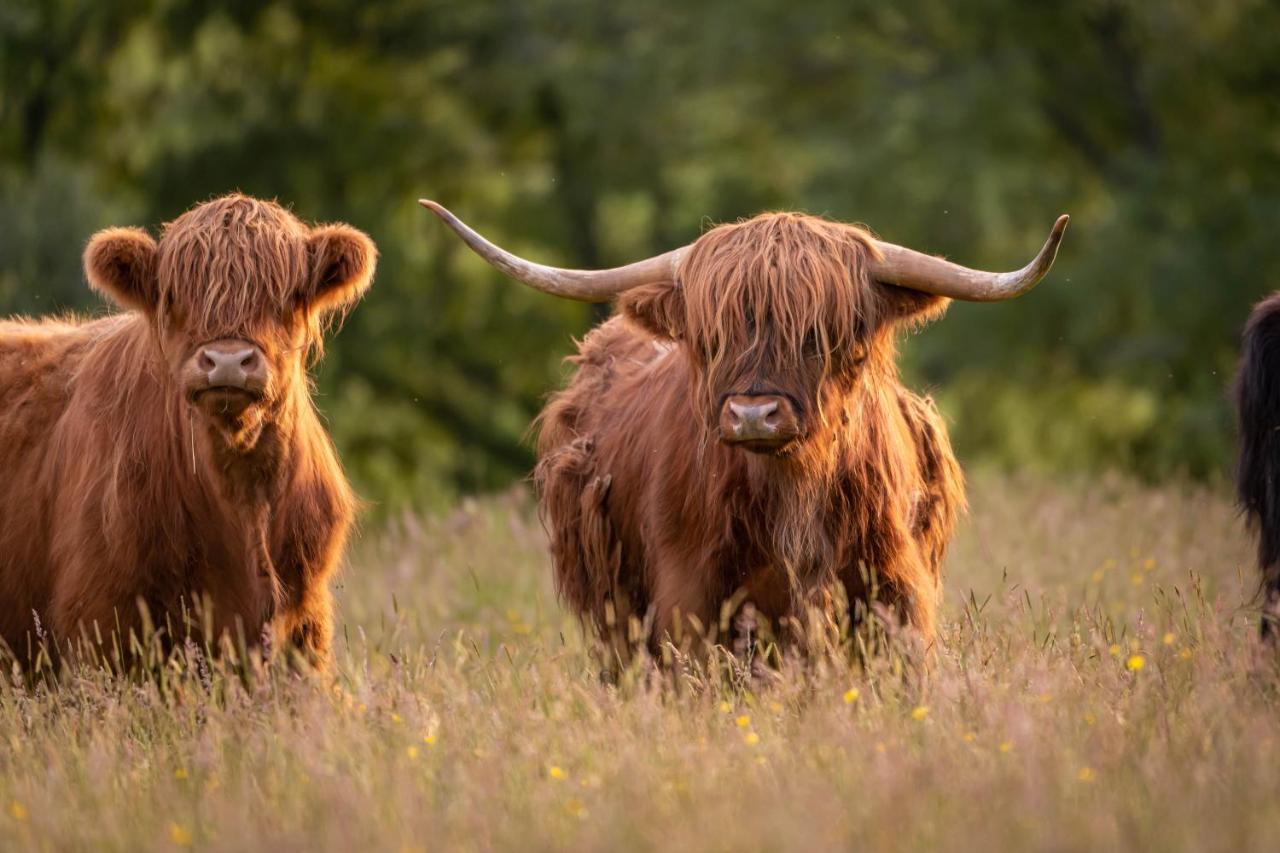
[
  {"x": 754, "y": 420},
  {"x": 234, "y": 364},
  {"x": 760, "y": 420}
]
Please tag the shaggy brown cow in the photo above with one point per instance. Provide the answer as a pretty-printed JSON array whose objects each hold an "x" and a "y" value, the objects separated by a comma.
[
  {"x": 168, "y": 460},
  {"x": 740, "y": 427}
]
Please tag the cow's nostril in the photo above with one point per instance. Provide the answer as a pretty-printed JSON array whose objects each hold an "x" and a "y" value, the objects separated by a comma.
[{"x": 204, "y": 362}]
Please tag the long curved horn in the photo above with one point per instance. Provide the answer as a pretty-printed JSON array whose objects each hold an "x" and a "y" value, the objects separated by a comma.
[
  {"x": 930, "y": 274},
  {"x": 583, "y": 285}
]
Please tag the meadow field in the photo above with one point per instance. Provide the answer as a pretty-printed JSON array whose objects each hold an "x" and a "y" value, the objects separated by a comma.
[{"x": 1097, "y": 686}]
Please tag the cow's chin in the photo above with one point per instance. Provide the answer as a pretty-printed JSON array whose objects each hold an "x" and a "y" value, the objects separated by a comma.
[{"x": 235, "y": 412}]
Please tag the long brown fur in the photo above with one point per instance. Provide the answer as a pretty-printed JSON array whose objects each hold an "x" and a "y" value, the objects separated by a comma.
[
  {"x": 652, "y": 517},
  {"x": 119, "y": 503}
]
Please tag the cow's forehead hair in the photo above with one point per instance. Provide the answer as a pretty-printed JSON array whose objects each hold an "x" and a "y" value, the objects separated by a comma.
[
  {"x": 780, "y": 285},
  {"x": 231, "y": 264}
]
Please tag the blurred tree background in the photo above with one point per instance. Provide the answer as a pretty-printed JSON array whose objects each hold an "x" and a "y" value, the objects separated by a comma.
[{"x": 589, "y": 133}]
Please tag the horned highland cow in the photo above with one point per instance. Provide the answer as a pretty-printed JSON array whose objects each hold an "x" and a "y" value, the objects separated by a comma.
[
  {"x": 166, "y": 463},
  {"x": 738, "y": 432}
]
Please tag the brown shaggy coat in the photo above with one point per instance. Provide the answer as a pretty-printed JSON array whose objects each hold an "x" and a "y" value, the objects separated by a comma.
[
  {"x": 652, "y": 517},
  {"x": 127, "y": 495}
]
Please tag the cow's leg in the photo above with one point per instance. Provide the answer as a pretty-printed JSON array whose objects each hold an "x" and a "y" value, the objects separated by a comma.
[
  {"x": 920, "y": 606},
  {"x": 304, "y": 625},
  {"x": 682, "y": 615},
  {"x": 902, "y": 592},
  {"x": 95, "y": 624},
  {"x": 308, "y": 628},
  {"x": 308, "y": 538}
]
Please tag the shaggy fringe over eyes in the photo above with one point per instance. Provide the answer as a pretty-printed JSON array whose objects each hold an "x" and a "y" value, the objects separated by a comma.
[
  {"x": 231, "y": 265},
  {"x": 775, "y": 290}
]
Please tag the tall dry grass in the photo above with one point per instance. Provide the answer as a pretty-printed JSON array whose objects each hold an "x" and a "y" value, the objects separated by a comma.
[{"x": 1097, "y": 687}]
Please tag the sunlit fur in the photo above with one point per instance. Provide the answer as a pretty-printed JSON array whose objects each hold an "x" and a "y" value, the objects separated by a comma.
[
  {"x": 121, "y": 497},
  {"x": 651, "y": 516}
]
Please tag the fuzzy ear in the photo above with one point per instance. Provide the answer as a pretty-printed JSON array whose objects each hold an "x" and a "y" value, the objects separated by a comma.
[
  {"x": 342, "y": 264},
  {"x": 120, "y": 263},
  {"x": 903, "y": 306},
  {"x": 658, "y": 308}
]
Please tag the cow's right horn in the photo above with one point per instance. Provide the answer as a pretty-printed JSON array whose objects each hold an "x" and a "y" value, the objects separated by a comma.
[{"x": 583, "y": 285}]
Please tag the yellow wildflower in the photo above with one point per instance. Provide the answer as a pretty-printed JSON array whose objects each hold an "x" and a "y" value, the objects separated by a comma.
[
  {"x": 1098, "y": 575},
  {"x": 1136, "y": 662},
  {"x": 1185, "y": 653},
  {"x": 725, "y": 708},
  {"x": 17, "y": 811},
  {"x": 751, "y": 739},
  {"x": 412, "y": 752},
  {"x": 1149, "y": 564},
  {"x": 919, "y": 712},
  {"x": 576, "y": 807},
  {"x": 1114, "y": 650},
  {"x": 1168, "y": 638},
  {"x": 851, "y": 695},
  {"x": 970, "y": 737},
  {"x": 743, "y": 721},
  {"x": 556, "y": 773},
  {"x": 180, "y": 773},
  {"x": 1137, "y": 579},
  {"x": 179, "y": 835},
  {"x": 395, "y": 718},
  {"x": 1086, "y": 775},
  {"x": 429, "y": 740},
  {"x": 1006, "y": 746}
]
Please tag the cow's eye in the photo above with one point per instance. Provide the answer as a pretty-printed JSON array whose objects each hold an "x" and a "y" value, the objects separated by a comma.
[{"x": 174, "y": 317}]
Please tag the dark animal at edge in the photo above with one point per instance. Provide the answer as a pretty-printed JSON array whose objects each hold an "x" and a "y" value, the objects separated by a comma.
[{"x": 1257, "y": 398}]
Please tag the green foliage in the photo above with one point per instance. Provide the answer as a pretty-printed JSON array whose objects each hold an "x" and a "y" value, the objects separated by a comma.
[{"x": 591, "y": 134}]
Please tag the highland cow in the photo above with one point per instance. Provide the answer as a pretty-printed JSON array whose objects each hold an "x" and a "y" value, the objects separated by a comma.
[
  {"x": 738, "y": 431},
  {"x": 165, "y": 466}
]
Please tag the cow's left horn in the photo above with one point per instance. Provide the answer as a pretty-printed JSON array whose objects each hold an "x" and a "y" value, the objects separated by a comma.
[
  {"x": 583, "y": 285},
  {"x": 930, "y": 274}
]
